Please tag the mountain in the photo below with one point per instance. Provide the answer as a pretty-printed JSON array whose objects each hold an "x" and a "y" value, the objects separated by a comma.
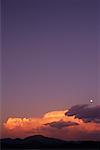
[{"x": 39, "y": 141}]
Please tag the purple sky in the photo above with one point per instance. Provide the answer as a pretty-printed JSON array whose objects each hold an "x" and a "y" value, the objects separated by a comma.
[{"x": 50, "y": 55}]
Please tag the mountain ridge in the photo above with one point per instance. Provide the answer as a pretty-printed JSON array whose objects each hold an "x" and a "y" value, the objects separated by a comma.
[{"x": 40, "y": 141}]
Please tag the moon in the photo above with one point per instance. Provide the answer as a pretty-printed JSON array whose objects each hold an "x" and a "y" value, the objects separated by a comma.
[{"x": 91, "y": 101}]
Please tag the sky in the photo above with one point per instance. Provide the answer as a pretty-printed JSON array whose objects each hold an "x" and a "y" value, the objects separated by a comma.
[{"x": 50, "y": 56}]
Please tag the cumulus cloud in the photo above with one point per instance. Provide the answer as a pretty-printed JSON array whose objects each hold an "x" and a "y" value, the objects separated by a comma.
[
  {"x": 57, "y": 124},
  {"x": 61, "y": 124},
  {"x": 85, "y": 112}
]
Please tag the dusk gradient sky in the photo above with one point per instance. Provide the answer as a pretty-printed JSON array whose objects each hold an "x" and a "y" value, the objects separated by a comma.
[{"x": 50, "y": 55}]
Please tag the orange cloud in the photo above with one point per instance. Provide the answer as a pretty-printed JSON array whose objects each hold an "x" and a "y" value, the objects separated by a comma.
[{"x": 53, "y": 124}]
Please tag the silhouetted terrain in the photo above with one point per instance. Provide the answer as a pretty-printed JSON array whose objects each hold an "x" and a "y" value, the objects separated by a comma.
[{"x": 39, "y": 141}]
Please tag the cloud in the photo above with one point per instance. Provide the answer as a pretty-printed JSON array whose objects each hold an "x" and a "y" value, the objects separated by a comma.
[
  {"x": 61, "y": 124},
  {"x": 85, "y": 112},
  {"x": 55, "y": 124}
]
